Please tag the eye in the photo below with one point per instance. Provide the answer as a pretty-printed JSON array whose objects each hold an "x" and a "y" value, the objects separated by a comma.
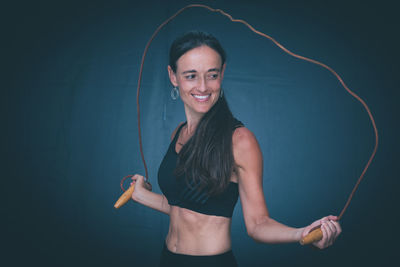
[
  {"x": 213, "y": 76},
  {"x": 190, "y": 76}
]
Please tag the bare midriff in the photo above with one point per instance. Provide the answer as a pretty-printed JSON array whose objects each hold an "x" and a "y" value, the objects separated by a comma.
[{"x": 194, "y": 233}]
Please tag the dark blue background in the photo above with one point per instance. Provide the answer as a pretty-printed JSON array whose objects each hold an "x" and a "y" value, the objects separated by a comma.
[{"x": 70, "y": 131}]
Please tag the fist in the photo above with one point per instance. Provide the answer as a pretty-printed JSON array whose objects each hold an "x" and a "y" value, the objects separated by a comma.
[{"x": 140, "y": 182}]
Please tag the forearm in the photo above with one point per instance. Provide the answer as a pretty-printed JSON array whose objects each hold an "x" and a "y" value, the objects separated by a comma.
[
  {"x": 151, "y": 200},
  {"x": 268, "y": 230}
]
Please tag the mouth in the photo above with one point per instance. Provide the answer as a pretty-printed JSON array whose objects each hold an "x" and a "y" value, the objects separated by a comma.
[{"x": 201, "y": 98}]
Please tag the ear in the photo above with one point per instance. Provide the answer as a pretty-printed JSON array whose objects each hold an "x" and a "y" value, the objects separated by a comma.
[
  {"x": 172, "y": 76},
  {"x": 223, "y": 71}
]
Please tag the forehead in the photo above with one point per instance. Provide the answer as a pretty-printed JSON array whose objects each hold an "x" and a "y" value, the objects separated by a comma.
[{"x": 199, "y": 58}]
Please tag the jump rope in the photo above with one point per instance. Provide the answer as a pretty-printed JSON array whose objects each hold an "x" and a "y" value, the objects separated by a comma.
[{"x": 316, "y": 233}]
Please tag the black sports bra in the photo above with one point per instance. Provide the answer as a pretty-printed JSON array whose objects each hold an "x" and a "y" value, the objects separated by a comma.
[{"x": 179, "y": 194}]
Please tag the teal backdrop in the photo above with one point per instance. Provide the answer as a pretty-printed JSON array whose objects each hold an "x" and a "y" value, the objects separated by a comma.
[{"x": 69, "y": 127}]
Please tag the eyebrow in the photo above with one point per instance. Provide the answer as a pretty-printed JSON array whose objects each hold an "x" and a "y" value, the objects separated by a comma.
[
  {"x": 194, "y": 71},
  {"x": 189, "y": 71},
  {"x": 214, "y": 69}
]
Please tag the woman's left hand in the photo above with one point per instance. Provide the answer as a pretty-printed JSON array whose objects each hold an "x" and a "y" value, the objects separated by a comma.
[{"x": 330, "y": 229}]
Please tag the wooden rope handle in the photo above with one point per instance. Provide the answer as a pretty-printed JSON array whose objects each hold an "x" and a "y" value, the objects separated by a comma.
[
  {"x": 313, "y": 236},
  {"x": 124, "y": 197}
]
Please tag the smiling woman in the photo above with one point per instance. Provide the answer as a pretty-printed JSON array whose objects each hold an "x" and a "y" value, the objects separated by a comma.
[
  {"x": 211, "y": 161},
  {"x": 197, "y": 67},
  {"x": 198, "y": 76}
]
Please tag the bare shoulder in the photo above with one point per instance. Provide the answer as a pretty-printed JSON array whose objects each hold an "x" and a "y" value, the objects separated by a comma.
[
  {"x": 176, "y": 129},
  {"x": 243, "y": 139},
  {"x": 245, "y": 147}
]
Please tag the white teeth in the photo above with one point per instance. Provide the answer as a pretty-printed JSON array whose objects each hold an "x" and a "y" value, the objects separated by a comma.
[{"x": 201, "y": 96}]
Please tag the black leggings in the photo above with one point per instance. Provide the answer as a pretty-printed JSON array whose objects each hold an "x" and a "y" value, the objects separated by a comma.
[{"x": 170, "y": 259}]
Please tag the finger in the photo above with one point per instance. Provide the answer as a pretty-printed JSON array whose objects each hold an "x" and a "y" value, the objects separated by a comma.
[
  {"x": 138, "y": 177},
  {"x": 331, "y": 218},
  {"x": 325, "y": 219},
  {"x": 338, "y": 227},
  {"x": 334, "y": 231},
  {"x": 331, "y": 227},
  {"x": 141, "y": 177},
  {"x": 329, "y": 235},
  {"x": 317, "y": 223},
  {"x": 330, "y": 230},
  {"x": 328, "y": 218},
  {"x": 322, "y": 243}
]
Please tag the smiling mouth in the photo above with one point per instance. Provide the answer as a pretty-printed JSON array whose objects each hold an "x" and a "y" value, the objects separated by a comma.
[{"x": 201, "y": 98}]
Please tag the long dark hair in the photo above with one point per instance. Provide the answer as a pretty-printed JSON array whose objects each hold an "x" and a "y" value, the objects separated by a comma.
[{"x": 206, "y": 160}]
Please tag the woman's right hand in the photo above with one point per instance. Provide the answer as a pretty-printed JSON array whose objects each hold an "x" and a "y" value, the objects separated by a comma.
[{"x": 140, "y": 184}]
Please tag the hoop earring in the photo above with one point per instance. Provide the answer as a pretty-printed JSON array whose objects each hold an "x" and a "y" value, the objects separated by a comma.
[
  {"x": 221, "y": 93},
  {"x": 175, "y": 93}
]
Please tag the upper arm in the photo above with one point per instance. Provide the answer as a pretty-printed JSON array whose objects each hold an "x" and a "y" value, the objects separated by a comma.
[{"x": 249, "y": 166}]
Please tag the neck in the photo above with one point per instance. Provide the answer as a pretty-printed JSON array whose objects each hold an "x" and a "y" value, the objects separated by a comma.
[{"x": 192, "y": 120}]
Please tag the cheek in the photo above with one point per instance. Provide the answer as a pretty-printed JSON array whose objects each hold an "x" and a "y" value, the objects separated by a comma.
[
  {"x": 185, "y": 86},
  {"x": 215, "y": 85}
]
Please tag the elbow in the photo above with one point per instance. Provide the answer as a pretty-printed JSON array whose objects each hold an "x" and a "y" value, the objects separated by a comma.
[
  {"x": 252, "y": 232},
  {"x": 253, "y": 236},
  {"x": 255, "y": 229}
]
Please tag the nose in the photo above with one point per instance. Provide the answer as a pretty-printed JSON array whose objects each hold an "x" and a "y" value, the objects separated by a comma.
[{"x": 202, "y": 87}]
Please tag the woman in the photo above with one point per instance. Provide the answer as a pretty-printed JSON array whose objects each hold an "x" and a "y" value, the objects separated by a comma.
[{"x": 212, "y": 159}]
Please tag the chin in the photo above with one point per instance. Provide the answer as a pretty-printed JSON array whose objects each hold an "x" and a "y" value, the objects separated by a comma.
[
  {"x": 203, "y": 108},
  {"x": 203, "y": 111}
]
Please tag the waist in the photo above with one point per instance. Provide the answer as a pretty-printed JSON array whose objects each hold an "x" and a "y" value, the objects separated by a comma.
[
  {"x": 166, "y": 250},
  {"x": 169, "y": 258},
  {"x": 194, "y": 233}
]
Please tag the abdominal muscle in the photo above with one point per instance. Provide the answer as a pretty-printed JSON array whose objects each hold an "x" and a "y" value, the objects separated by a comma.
[{"x": 193, "y": 233}]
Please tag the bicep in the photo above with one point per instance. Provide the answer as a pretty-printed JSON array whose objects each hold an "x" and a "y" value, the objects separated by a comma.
[{"x": 248, "y": 158}]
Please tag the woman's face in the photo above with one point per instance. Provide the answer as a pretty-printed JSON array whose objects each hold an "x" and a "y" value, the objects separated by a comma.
[{"x": 199, "y": 75}]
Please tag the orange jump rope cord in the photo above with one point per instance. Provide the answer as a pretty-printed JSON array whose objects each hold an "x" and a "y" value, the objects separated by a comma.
[{"x": 285, "y": 50}]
